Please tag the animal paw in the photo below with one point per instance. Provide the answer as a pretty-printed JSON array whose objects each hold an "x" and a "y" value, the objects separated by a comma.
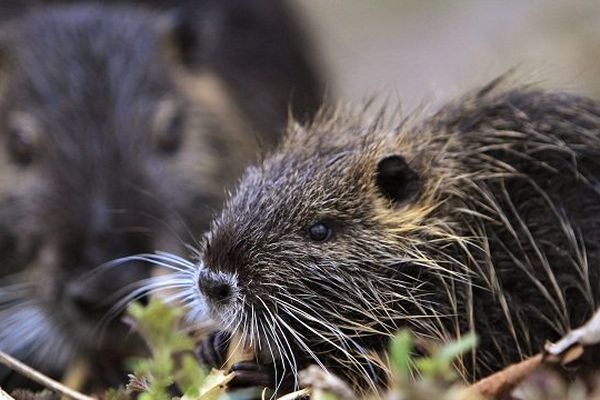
[
  {"x": 251, "y": 374},
  {"x": 212, "y": 351}
]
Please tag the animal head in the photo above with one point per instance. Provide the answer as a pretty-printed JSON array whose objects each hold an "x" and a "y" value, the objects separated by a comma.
[
  {"x": 315, "y": 257},
  {"x": 111, "y": 145}
]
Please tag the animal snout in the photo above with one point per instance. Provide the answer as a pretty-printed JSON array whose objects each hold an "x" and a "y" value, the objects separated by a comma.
[
  {"x": 215, "y": 286},
  {"x": 98, "y": 291},
  {"x": 84, "y": 299}
]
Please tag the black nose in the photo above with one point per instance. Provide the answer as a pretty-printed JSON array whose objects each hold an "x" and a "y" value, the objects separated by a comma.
[
  {"x": 98, "y": 291},
  {"x": 85, "y": 299},
  {"x": 215, "y": 287}
]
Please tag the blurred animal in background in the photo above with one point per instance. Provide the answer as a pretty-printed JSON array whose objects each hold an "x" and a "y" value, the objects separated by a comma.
[
  {"x": 258, "y": 47},
  {"x": 121, "y": 127}
]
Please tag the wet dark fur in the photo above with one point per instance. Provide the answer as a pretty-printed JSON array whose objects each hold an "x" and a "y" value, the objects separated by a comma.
[
  {"x": 483, "y": 217},
  {"x": 87, "y": 172}
]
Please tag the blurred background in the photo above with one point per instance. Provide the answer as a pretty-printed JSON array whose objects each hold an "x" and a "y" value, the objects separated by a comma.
[{"x": 416, "y": 50}]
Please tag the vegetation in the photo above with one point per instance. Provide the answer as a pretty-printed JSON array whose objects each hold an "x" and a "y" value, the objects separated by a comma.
[
  {"x": 173, "y": 366},
  {"x": 172, "y": 372}
]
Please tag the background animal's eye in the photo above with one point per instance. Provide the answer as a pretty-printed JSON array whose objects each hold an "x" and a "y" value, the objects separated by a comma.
[
  {"x": 168, "y": 141},
  {"x": 20, "y": 147},
  {"x": 22, "y": 139},
  {"x": 169, "y": 122},
  {"x": 319, "y": 232}
]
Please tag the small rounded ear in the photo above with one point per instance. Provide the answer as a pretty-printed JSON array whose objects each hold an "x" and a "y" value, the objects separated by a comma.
[
  {"x": 181, "y": 36},
  {"x": 5, "y": 57},
  {"x": 396, "y": 180},
  {"x": 185, "y": 38}
]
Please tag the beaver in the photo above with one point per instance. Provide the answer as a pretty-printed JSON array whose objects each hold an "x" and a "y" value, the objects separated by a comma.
[
  {"x": 480, "y": 217},
  {"x": 119, "y": 135}
]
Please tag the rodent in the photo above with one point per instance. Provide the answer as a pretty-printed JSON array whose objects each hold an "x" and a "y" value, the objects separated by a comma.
[
  {"x": 259, "y": 48},
  {"x": 482, "y": 217},
  {"x": 121, "y": 127}
]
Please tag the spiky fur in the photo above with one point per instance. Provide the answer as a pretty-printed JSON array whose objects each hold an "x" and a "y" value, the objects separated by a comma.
[{"x": 502, "y": 240}]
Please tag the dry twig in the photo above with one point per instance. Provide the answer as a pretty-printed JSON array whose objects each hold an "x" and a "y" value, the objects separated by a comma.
[
  {"x": 300, "y": 394},
  {"x": 504, "y": 381},
  {"x": 5, "y": 396},
  {"x": 40, "y": 378}
]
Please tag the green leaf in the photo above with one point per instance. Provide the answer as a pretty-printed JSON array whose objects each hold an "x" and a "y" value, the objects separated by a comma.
[
  {"x": 400, "y": 354},
  {"x": 321, "y": 395},
  {"x": 158, "y": 325},
  {"x": 457, "y": 348},
  {"x": 190, "y": 376},
  {"x": 439, "y": 365},
  {"x": 116, "y": 394}
]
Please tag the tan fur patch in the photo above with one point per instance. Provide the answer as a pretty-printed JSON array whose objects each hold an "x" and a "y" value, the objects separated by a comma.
[{"x": 212, "y": 100}]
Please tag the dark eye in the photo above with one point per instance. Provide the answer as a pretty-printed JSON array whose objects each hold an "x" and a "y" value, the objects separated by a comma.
[
  {"x": 168, "y": 140},
  {"x": 319, "y": 232},
  {"x": 21, "y": 147}
]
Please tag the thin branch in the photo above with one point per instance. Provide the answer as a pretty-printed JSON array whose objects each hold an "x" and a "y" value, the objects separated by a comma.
[
  {"x": 296, "y": 395},
  {"x": 40, "y": 378},
  {"x": 5, "y": 396}
]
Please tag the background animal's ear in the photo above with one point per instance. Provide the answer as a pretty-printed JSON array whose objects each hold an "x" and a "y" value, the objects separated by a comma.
[
  {"x": 181, "y": 35},
  {"x": 5, "y": 56},
  {"x": 258, "y": 48},
  {"x": 396, "y": 180},
  {"x": 211, "y": 31}
]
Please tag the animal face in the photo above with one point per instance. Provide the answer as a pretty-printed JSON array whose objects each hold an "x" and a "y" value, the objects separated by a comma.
[
  {"x": 298, "y": 263},
  {"x": 110, "y": 146}
]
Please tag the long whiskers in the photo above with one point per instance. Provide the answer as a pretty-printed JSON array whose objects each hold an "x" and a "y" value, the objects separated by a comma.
[{"x": 181, "y": 283}]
